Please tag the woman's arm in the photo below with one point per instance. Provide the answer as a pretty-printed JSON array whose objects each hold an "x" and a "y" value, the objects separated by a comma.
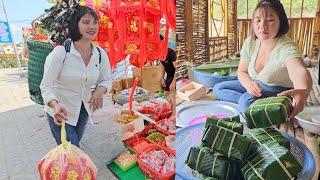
[
  {"x": 104, "y": 82},
  {"x": 302, "y": 84},
  {"x": 52, "y": 68},
  {"x": 252, "y": 87}
]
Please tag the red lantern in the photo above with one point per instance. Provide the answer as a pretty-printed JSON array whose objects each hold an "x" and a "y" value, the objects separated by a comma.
[{"x": 133, "y": 27}]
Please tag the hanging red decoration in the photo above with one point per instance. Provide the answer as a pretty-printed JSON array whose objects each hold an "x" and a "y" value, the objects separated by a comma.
[{"x": 132, "y": 27}]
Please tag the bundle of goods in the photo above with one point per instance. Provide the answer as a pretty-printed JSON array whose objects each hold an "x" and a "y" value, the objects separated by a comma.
[
  {"x": 157, "y": 162},
  {"x": 66, "y": 161},
  {"x": 157, "y": 109},
  {"x": 225, "y": 141},
  {"x": 139, "y": 95},
  {"x": 212, "y": 164},
  {"x": 231, "y": 123},
  {"x": 262, "y": 153},
  {"x": 270, "y": 161},
  {"x": 168, "y": 125},
  {"x": 268, "y": 111},
  {"x": 265, "y": 135}
]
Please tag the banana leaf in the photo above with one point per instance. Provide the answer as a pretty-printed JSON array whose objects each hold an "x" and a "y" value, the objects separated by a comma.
[
  {"x": 265, "y": 135},
  {"x": 230, "y": 144},
  {"x": 270, "y": 161},
  {"x": 268, "y": 111},
  {"x": 226, "y": 123},
  {"x": 214, "y": 165}
]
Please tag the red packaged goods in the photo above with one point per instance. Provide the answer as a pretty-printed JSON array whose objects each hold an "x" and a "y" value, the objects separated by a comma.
[
  {"x": 66, "y": 161},
  {"x": 157, "y": 109},
  {"x": 170, "y": 141},
  {"x": 157, "y": 162},
  {"x": 168, "y": 125}
]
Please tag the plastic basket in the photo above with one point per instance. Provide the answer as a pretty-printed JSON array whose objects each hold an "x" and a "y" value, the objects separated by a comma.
[
  {"x": 137, "y": 143},
  {"x": 128, "y": 166},
  {"x": 38, "y": 52},
  {"x": 186, "y": 138},
  {"x": 151, "y": 172},
  {"x": 155, "y": 135}
]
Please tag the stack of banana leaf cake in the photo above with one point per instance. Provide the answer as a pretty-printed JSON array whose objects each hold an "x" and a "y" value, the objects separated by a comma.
[{"x": 227, "y": 153}]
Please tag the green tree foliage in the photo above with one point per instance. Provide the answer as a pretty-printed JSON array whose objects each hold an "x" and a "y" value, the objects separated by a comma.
[
  {"x": 309, "y": 9},
  {"x": 11, "y": 62}
]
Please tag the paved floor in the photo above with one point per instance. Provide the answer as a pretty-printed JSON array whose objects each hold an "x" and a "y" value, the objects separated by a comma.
[{"x": 25, "y": 136}]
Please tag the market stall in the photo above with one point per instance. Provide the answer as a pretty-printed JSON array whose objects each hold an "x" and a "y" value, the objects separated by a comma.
[
  {"x": 210, "y": 35},
  {"x": 129, "y": 31}
]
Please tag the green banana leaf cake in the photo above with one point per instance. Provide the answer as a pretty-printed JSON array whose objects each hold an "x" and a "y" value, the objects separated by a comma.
[
  {"x": 268, "y": 111},
  {"x": 212, "y": 164},
  {"x": 229, "y": 143},
  {"x": 226, "y": 123}
]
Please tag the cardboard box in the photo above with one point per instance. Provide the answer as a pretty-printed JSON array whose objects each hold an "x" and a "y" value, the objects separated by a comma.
[
  {"x": 127, "y": 82},
  {"x": 150, "y": 78},
  {"x": 117, "y": 85},
  {"x": 191, "y": 91}
]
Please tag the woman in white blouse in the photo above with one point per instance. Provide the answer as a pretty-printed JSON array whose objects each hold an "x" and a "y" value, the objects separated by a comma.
[{"x": 69, "y": 76}]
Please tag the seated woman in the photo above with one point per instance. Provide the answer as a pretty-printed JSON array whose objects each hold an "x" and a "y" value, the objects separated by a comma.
[{"x": 270, "y": 62}]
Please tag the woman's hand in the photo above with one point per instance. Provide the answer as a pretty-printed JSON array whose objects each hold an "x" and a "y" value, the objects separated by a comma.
[
  {"x": 60, "y": 114},
  {"x": 254, "y": 89},
  {"x": 172, "y": 86},
  {"x": 96, "y": 100},
  {"x": 299, "y": 96}
]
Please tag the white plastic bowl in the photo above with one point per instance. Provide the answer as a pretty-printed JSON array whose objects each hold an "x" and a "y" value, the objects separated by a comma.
[{"x": 307, "y": 119}]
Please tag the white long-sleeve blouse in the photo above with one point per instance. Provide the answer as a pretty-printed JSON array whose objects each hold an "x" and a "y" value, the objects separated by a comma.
[{"x": 68, "y": 80}]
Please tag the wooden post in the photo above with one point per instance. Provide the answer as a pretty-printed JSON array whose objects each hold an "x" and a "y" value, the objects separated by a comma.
[
  {"x": 316, "y": 35},
  {"x": 182, "y": 49},
  {"x": 207, "y": 32},
  {"x": 232, "y": 27},
  {"x": 189, "y": 29}
]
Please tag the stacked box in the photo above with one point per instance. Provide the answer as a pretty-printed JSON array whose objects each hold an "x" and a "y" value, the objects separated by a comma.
[
  {"x": 270, "y": 161},
  {"x": 226, "y": 123},
  {"x": 268, "y": 111},
  {"x": 226, "y": 142},
  {"x": 212, "y": 164},
  {"x": 265, "y": 135}
]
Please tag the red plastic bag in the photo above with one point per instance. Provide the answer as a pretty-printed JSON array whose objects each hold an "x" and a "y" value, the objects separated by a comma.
[{"x": 66, "y": 161}]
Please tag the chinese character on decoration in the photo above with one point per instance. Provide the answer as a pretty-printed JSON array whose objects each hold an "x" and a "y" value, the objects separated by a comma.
[{"x": 132, "y": 27}]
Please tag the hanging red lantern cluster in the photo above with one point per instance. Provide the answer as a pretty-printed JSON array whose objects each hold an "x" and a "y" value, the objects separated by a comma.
[{"x": 132, "y": 27}]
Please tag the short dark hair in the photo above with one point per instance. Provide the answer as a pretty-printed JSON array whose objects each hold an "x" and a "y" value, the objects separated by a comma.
[
  {"x": 277, "y": 7},
  {"x": 79, "y": 12}
]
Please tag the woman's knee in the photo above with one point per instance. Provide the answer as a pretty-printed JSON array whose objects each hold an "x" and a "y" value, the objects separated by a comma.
[
  {"x": 217, "y": 88},
  {"x": 245, "y": 101}
]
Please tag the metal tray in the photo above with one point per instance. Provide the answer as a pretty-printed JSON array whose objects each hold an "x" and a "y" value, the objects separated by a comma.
[
  {"x": 305, "y": 121},
  {"x": 188, "y": 112},
  {"x": 191, "y": 136}
]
